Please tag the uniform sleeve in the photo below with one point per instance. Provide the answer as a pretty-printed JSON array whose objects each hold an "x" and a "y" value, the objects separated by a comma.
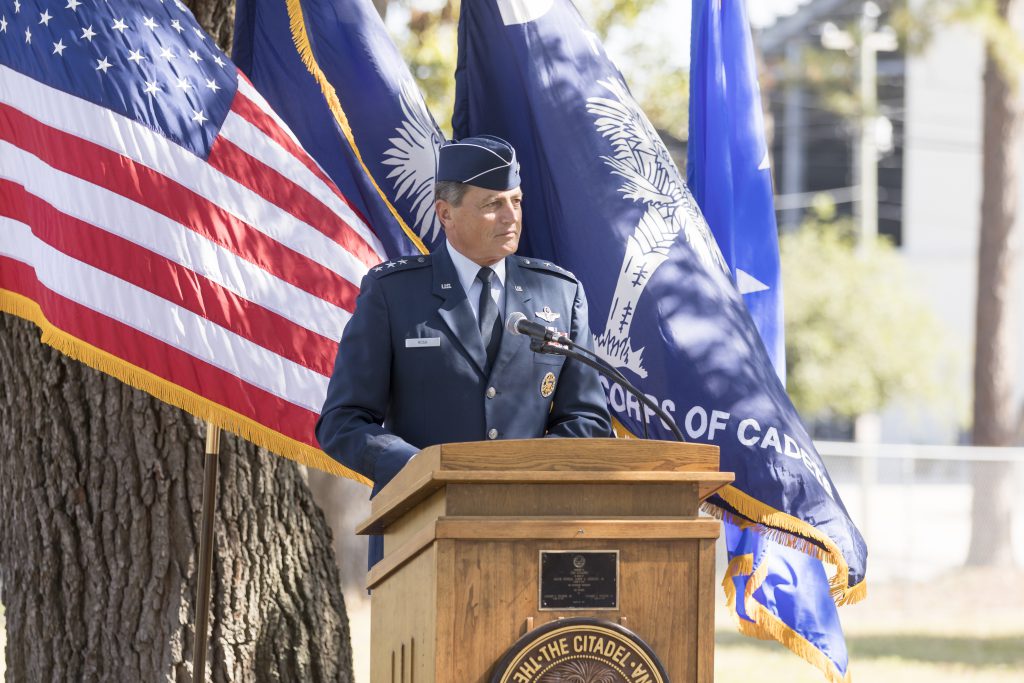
[
  {"x": 349, "y": 429},
  {"x": 579, "y": 408}
]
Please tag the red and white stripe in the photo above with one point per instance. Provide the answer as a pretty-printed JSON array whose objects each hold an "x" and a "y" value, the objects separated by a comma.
[{"x": 230, "y": 277}]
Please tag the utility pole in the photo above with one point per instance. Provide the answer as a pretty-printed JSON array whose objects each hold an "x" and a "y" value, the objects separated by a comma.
[
  {"x": 865, "y": 160},
  {"x": 867, "y": 151},
  {"x": 867, "y": 428},
  {"x": 793, "y": 168}
]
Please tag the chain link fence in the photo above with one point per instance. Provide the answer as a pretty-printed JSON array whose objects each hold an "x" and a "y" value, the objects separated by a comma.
[{"x": 913, "y": 503}]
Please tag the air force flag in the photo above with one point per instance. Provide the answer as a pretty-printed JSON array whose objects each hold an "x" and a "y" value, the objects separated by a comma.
[
  {"x": 604, "y": 199},
  {"x": 727, "y": 162},
  {"x": 331, "y": 71}
]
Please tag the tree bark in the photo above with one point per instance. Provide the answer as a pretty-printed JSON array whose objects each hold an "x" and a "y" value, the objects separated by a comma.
[
  {"x": 100, "y": 495},
  {"x": 995, "y": 416},
  {"x": 345, "y": 504},
  {"x": 217, "y": 17}
]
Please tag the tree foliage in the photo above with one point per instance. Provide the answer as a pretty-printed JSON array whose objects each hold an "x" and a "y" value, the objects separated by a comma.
[
  {"x": 607, "y": 14},
  {"x": 428, "y": 43},
  {"x": 857, "y": 334}
]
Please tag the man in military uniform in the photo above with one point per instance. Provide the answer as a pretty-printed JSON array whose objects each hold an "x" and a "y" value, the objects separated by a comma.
[{"x": 424, "y": 359}]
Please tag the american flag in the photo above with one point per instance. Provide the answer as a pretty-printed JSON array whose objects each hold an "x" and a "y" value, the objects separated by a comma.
[{"x": 159, "y": 222}]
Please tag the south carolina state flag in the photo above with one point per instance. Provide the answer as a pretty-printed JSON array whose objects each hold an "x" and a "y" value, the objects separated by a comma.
[{"x": 332, "y": 73}]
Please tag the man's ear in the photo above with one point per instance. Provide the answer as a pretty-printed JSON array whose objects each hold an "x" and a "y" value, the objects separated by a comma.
[{"x": 444, "y": 211}]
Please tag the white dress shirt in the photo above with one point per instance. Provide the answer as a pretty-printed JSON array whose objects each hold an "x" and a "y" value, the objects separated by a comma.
[{"x": 468, "y": 270}]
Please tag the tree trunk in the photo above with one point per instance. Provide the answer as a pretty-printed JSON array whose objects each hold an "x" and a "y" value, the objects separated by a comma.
[
  {"x": 345, "y": 504},
  {"x": 100, "y": 497},
  {"x": 217, "y": 17},
  {"x": 995, "y": 416}
]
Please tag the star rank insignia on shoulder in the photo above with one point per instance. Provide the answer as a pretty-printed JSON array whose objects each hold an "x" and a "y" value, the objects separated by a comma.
[
  {"x": 400, "y": 264},
  {"x": 548, "y": 266}
]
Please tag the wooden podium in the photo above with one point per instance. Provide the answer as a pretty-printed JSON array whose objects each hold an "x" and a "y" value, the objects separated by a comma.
[{"x": 465, "y": 526}]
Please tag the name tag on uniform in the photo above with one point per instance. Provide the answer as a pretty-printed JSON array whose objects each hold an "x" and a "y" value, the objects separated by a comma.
[{"x": 422, "y": 342}]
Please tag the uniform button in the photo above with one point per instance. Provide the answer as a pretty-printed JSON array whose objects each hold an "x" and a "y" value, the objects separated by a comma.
[
  {"x": 493, "y": 434},
  {"x": 491, "y": 392}
]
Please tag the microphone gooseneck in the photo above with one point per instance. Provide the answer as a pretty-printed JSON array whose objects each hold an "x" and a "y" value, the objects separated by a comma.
[{"x": 547, "y": 341}]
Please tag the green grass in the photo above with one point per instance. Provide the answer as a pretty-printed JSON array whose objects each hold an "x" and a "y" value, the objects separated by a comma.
[
  {"x": 880, "y": 658},
  {"x": 967, "y": 627}
]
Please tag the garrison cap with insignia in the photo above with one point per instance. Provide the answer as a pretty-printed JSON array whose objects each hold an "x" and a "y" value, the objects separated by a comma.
[{"x": 483, "y": 161}]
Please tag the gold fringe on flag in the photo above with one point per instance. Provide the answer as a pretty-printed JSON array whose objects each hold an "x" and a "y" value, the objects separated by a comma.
[
  {"x": 783, "y": 529},
  {"x": 301, "y": 40},
  {"x": 741, "y": 564},
  {"x": 778, "y": 523},
  {"x": 766, "y": 626},
  {"x": 168, "y": 392}
]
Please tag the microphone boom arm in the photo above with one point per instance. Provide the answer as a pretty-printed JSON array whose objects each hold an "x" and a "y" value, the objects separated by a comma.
[{"x": 552, "y": 348}]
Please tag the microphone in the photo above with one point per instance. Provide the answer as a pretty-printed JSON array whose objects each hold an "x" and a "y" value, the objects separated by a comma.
[{"x": 518, "y": 324}]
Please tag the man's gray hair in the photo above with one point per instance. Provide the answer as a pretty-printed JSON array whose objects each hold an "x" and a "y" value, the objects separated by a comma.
[{"x": 450, "y": 191}]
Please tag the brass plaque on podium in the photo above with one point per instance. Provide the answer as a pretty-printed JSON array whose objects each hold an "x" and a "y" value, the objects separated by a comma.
[
  {"x": 580, "y": 650},
  {"x": 579, "y": 579}
]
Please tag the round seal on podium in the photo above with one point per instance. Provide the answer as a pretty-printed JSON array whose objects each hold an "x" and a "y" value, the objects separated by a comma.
[{"x": 580, "y": 650}]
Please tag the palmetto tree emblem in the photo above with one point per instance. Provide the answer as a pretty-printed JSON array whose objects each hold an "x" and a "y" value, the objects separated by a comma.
[
  {"x": 650, "y": 177},
  {"x": 413, "y": 158},
  {"x": 582, "y": 671}
]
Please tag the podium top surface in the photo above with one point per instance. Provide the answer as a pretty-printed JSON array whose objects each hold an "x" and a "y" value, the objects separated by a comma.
[
  {"x": 554, "y": 460},
  {"x": 556, "y": 455}
]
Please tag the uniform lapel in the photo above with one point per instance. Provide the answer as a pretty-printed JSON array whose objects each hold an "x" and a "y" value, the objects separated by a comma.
[
  {"x": 455, "y": 310},
  {"x": 516, "y": 297}
]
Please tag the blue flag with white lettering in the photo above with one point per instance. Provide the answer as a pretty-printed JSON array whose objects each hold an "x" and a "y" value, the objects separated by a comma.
[
  {"x": 330, "y": 70},
  {"x": 604, "y": 199}
]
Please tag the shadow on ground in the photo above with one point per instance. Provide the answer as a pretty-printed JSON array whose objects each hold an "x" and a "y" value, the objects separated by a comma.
[{"x": 977, "y": 652}]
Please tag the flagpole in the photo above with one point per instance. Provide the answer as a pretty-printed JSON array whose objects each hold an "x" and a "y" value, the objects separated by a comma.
[{"x": 210, "y": 472}]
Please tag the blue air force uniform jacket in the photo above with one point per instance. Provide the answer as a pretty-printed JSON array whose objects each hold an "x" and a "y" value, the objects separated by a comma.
[{"x": 410, "y": 371}]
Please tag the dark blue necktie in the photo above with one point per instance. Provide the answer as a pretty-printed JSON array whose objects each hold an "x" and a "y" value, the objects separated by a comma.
[{"x": 490, "y": 321}]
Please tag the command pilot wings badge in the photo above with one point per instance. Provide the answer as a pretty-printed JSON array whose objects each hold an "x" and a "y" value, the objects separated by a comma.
[
  {"x": 547, "y": 314},
  {"x": 413, "y": 154},
  {"x": 650, "y": 177}
]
